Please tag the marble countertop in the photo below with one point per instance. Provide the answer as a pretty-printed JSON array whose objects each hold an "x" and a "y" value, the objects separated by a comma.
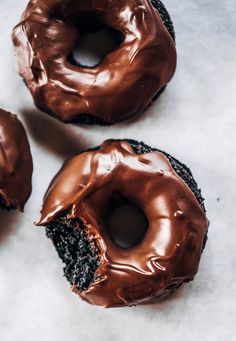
[{"x": 193, "y": 120}]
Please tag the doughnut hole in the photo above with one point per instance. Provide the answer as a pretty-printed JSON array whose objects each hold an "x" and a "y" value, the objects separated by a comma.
[
  {"x": 95, "y": 38},
  {"x": 126, "y": 223},
  {"x": 92, "y": 48}
]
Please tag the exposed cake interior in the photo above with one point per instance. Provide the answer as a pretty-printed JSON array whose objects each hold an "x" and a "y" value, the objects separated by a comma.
[
  {"x": 78, "y": 252},
  {"x": 81, "y": 254},
  {"x": 165, "y": 17}
]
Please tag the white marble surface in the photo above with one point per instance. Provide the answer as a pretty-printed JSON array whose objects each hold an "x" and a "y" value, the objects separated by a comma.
[{"x": 195, "y": 121}]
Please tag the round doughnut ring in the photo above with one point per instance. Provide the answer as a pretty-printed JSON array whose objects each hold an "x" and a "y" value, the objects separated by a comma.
[
  {"x": 75, "y": 214},
  {"x": 123, "y": 84}
]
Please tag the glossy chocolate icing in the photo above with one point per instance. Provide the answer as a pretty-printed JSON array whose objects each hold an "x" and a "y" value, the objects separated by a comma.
[
  {"x": 15, "y": 162},
  {"x": 171, "y": 249},
  {"x": 125, "y": 81}
]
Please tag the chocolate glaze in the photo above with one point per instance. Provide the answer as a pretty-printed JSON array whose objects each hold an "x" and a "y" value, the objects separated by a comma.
[
  {"x": 125, "y": 81},
  {"x": 170, "y": 252},
  {"x": 15, "y": 162}
]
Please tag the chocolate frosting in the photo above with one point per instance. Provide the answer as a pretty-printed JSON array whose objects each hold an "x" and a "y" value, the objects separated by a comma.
[
  {"x": 170, "y": 251},
  {"x": 125, "y": 81},
  {"x": 15, "y": 162}
]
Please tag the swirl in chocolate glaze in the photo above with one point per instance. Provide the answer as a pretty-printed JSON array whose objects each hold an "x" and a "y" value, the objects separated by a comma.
[
  {"x": 170, "y": 251},
  {"x": 15, "y": 162},
  {"x": 125, "y": 81}
]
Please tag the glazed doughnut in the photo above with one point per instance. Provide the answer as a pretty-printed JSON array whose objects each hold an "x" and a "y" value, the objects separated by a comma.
[
  {"x": 15, "y": 163},
  {"x": 75, "y": 213},
  {"x": 123, "y": 84}
]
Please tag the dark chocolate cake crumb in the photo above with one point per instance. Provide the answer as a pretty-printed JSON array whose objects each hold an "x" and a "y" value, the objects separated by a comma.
[
  {"x": 78, "y": 252},
  {"x": 165, "y": 17},
  {"x": 91, "y": 120},
  {"x": 205, "y": 240}
]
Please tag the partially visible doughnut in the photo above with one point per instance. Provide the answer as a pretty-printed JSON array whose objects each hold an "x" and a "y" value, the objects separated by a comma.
[{"x": 16, "y": 164}]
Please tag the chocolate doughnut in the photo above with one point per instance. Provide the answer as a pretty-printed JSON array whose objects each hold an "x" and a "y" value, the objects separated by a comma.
[
  {"x": 123, "y": 84},
  {"x": 15, "y": 163},
  {"x": 75, "y": 213}
]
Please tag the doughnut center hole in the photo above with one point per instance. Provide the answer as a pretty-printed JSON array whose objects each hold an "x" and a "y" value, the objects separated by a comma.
[
  {"x": 95, "y": 42},
  {"x": 126, "y": 222}
]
